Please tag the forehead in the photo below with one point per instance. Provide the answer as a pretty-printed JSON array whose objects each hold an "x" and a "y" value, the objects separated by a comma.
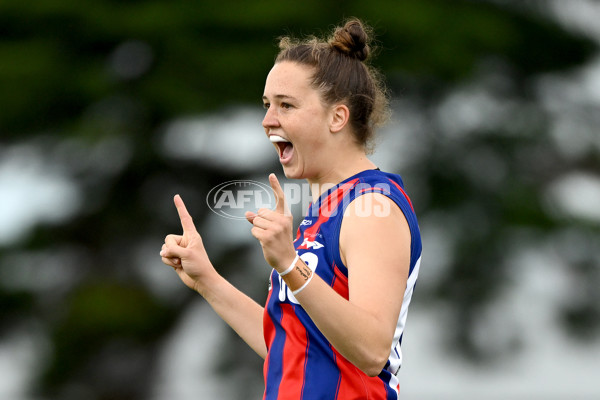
[{"x": 289, "y": 79}]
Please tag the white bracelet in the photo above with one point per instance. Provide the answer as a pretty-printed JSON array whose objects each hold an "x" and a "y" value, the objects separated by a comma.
[
  {"x": 295, "y": 292},
  {"x": 287, "y": 271}
]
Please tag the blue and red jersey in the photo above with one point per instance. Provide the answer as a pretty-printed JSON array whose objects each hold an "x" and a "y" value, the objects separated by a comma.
[{"x": 301, "y": 364}]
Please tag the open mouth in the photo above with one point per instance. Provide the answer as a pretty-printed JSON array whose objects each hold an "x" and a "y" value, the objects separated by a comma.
[{"x": 284, "y": 146}]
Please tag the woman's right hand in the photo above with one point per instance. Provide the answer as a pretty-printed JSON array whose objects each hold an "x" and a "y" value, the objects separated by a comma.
[{"x": 186, "y": 253}]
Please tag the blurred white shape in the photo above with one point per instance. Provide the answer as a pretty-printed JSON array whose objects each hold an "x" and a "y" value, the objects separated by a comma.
[
  {"x": 131, "y": 59},
  {"x": 572, "y": 101},
  {"x": 591, "y": 79},
  {"x": 402, "y": 141},
  {"x": 21, "y": 355},
  {"x": 14, "y": 373},
  {"x": 462, "y": 112},
  {"x": 31, "y": 192},
  {"x": 580, "y": 15},
  {"x": 104, "y": 158},
  {"x": 160, "y": 279},
  {"x": 232, "y": 140},
  {"x": 473, "y": 108},
  {"x": 188, "y": 359},
  {"x": 439, "y": 232},
  {"x": 576, "y": 195},
  {"x": 574, "y": 137}
]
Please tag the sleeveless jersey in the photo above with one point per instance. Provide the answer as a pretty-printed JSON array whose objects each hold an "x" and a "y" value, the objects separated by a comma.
[{"x": 300, "y": 362}]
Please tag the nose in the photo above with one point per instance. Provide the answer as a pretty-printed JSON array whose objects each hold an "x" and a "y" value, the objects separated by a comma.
[{"x": 270, "y": 120}]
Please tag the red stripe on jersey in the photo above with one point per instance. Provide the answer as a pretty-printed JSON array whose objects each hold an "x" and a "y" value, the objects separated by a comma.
[
  {"x": 294, "y": 355},
  {"x": 268, "y": 326},
  {"x": 404, "y": 193},
  {"x": 268, "y": 332},
  {"x": 355, "y": 384},
  {"x": 328, "y": 206},
  {"x": 266, "y": 371},
  {"x": 340, "y": 283}
]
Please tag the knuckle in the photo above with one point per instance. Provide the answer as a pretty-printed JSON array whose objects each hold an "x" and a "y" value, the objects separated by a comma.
[{"x": 260, "y": 212}]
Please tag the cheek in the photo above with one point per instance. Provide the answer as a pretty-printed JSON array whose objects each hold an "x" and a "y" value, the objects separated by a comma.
[
  {"x": 308, "y": 142},
  {"x": 310, "y": 133}
]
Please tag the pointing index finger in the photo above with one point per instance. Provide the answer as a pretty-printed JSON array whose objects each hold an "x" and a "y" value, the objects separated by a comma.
[
  {"x": 282, "y": 207},
  {"x": 186, "y": 219}
]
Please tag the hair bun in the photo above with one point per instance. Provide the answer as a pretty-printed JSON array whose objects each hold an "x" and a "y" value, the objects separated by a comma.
[{"x": 352, "y": 40}]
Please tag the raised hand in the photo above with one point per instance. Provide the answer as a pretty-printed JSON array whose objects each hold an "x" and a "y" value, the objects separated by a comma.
[
  {"x": 273, "y": 229},
  {"x": 186, "y": 253}
]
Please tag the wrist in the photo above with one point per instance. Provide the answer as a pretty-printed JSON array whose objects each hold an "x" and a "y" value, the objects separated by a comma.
[
  {"x": 285, "y": 263},
  {"x": 299, "y": 276},
  {"x": 289, "y": 269},
  {"x": 208, "y": 284}
]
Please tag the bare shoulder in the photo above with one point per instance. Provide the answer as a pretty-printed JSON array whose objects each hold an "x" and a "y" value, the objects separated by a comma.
[{"x": 370, "y": 222}]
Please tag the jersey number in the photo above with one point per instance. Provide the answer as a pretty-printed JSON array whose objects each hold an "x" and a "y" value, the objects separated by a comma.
[{"x": 309, "y": 259}]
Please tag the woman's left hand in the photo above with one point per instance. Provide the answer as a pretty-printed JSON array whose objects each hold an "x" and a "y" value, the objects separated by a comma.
[{"x": 273, "y": 229}]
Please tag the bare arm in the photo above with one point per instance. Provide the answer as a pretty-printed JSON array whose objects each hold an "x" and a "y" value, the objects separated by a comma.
[{"x": 186, "y": 254}]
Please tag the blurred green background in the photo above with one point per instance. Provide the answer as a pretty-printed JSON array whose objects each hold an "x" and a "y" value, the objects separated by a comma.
[{"x": 109, "y": 108}]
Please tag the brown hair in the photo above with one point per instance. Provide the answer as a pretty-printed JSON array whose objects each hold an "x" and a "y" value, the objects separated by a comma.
[{"x": 342, "y": 74}]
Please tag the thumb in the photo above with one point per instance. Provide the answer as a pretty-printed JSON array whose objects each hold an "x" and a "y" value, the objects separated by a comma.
[
  {"x": 186, "y": 219},
  {"x": 250, "y": 216}
]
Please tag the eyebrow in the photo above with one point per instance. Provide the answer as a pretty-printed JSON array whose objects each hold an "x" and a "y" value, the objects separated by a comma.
[{"x": 280, "y": 97}]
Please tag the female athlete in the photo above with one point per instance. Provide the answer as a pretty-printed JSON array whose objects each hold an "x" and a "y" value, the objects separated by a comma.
[{"x": 341, "y": 286}]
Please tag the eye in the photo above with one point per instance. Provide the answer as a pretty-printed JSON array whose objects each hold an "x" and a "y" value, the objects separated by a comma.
[
  {"x": 286, "y": 106},
  {"x": 266, "y": 106}
]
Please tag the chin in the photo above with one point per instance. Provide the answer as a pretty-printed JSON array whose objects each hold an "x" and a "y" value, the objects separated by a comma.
[
  {"x": 292, "y": 173},
  {"x": 289, "y": 174}
]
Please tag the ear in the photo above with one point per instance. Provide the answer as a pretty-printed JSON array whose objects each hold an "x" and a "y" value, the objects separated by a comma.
[{"x": 340, "y": 115}]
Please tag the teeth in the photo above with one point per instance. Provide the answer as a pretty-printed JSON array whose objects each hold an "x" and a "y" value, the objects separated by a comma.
[{"x": 277, "y": 139}]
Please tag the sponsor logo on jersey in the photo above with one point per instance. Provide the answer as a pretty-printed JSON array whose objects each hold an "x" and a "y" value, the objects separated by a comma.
[{"x": 309, "y": 244}]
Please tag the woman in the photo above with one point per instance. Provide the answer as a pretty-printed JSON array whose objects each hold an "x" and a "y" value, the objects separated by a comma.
[{"x": 339, "y": 292}]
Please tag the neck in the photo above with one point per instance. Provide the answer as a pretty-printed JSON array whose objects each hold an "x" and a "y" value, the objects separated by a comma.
[{"x": 338, "y": 173}]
